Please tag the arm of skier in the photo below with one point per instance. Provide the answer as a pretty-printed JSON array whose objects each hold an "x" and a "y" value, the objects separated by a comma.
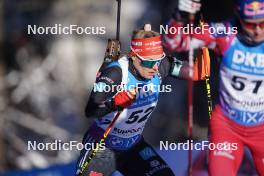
[
  {"x": 105, "y": 97},
  {"x": 171, "y": 66},
  {"x": 176, "y": 40}
]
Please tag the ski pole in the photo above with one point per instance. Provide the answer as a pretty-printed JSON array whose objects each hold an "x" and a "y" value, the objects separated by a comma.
[
  {"x": 190, "y": 99},
  {"x": 107, "y": 131},
  {"x": 206, "y": 57}
]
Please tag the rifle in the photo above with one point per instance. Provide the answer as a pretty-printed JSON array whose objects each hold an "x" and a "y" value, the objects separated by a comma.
[{"x": 113, "y": 48}]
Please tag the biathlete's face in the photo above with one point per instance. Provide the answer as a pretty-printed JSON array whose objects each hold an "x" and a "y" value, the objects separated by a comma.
[
  {"x": 254, "y": 29},
  {"x": 148, "y": 66}
]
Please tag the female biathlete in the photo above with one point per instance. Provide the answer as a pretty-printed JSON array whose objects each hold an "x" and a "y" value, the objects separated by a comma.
[{"x": 141, "y": 72}]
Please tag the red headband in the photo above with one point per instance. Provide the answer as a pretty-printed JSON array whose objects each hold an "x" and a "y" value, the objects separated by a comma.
[{"x": 147, "y": 46}]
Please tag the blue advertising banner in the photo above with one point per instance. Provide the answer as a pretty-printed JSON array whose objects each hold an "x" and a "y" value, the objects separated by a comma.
[{"x": 57, "y": 170}]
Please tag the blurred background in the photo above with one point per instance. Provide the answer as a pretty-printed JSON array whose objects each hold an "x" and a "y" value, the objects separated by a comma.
[{"x": 45, "y": 80}]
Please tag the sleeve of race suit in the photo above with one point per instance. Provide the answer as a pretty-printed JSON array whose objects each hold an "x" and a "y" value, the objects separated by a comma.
[
  {"x": 216, "y": 36},
  {"x": 171, "y": 66},
  {"x": 100, "y": 102}
]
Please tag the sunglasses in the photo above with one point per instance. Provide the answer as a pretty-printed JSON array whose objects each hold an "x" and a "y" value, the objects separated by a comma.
[
  {"x": 149, "y": 63},
  {"x": 253, "y": 25}
]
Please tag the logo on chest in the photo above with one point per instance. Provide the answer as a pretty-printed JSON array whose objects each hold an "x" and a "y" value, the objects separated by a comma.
[
  {"x": 146, "y": 97},
  {"x": 249, "y": 59}
]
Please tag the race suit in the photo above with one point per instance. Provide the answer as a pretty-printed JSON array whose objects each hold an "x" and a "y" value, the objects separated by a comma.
[{"x": 125, "y": 148}]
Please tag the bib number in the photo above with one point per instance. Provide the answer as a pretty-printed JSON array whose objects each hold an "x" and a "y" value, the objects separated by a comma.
[
  {"x": 135, "y": 116},
  {"x": 239, "y": 83}
]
